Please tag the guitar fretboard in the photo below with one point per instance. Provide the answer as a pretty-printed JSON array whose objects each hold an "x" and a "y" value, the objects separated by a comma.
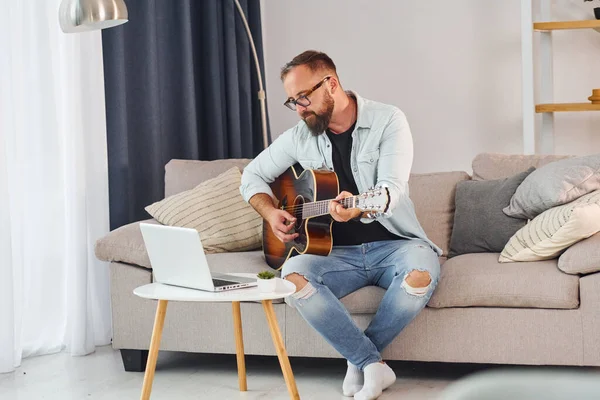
[{"x": 318, "y": 208}]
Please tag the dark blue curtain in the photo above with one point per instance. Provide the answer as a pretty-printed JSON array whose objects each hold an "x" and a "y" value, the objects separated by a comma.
[{"x": 180, "y": 82}]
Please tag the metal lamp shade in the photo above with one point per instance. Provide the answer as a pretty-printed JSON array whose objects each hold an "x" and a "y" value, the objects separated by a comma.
[{"x": 89, "y": 15}]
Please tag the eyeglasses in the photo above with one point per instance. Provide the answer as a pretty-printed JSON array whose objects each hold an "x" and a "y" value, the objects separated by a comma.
[{"x": 303, "y": 99}]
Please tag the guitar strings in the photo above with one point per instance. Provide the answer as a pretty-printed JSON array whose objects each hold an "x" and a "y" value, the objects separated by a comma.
[{"x": 314, "y": 206}]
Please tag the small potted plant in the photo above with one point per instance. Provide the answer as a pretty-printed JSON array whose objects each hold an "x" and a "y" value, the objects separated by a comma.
[{"x": 266, "y": 281}]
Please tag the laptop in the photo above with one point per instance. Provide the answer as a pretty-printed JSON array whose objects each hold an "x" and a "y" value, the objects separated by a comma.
[{"x": 177, "y": 258}]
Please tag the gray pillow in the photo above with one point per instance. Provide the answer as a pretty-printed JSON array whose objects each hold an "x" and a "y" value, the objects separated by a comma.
[
  {"x": 480, "y": 226},
  {"x": 555, "y": 184}
]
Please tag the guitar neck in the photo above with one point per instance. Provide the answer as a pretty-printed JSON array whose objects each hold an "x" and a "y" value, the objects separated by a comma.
[{"x": 319, "y": 208}]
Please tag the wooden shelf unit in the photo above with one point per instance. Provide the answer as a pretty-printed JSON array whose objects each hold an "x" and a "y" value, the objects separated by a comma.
[
  {"x": 537, "y": 23},
  {"x": 564, "y": 25},
  {"x": 566, "y": 107}
]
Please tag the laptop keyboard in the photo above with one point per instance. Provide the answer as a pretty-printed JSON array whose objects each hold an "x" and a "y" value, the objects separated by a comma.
[{"x": 221, "y": 282}]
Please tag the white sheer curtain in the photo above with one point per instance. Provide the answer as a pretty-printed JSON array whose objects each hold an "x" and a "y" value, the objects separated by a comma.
[{"x": 54, "y": 294}]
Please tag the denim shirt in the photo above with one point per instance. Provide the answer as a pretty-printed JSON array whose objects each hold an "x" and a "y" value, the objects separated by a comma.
[{"x": 382, "y": 155}]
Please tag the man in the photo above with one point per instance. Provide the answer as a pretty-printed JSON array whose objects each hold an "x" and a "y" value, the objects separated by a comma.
[{"x": 367, "y": 144}]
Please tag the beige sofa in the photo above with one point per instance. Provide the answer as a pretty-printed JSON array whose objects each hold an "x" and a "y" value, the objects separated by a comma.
[{"x": 481, "y": 312}]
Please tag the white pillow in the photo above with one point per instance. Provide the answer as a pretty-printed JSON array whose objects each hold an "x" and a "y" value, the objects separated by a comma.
[
  {"x": 553, "y": 231},
  {"x": 216, "y": 209}
]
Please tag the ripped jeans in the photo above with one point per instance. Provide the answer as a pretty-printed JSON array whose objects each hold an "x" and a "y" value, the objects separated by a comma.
[{"x": 348, "y": 268}]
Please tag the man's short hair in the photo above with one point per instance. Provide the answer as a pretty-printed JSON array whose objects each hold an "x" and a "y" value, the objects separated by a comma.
[{"x": 315, "y": 60}]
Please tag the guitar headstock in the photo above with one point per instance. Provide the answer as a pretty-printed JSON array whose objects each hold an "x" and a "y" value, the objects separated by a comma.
[{"x": 375, "y": 201}]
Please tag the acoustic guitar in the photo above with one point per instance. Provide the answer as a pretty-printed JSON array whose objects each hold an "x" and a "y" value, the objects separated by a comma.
[{"x": 306, "y": 196}]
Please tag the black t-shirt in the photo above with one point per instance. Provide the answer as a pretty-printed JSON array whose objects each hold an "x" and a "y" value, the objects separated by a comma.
[{"x": 351, "y": 232}]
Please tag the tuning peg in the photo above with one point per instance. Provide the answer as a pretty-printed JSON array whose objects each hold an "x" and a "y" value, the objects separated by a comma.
[{"x": 373, "y": 215}]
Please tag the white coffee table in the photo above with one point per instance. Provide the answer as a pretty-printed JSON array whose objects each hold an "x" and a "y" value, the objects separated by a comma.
[{"x": 166, "y": 293}]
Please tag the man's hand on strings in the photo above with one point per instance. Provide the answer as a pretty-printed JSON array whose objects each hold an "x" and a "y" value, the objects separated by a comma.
[
  {"x": 282, "y": 222},
  {"x": 339, "y": 213}
]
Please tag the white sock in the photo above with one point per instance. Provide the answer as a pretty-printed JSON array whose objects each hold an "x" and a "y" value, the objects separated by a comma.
[
  {"x": 353, "y": 381},
  {"x": 378, "y": 377}
]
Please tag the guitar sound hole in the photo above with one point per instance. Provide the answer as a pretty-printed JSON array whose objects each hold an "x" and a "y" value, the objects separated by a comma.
[
  {"x": 298, "y": 226},
  {"x": 298, "y": 202}
]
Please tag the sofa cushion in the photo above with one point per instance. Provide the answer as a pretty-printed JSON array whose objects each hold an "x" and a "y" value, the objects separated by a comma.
[
  {"x": 244, "y": 261},
  {"x": 216, "y": 209},
  {"x": 497, "y": 166},
  {"x": 582, "y": 258},
  {"x": 555, "y": 184},
  {"x": 478, "y": 280},
  {"x": 366, "y": 300},
  {"x": 433, "y": 198},
  {"x": 480, "y": 226},
  {"x": 181, "y": 175},
  {"x": 554, "y": 230}
]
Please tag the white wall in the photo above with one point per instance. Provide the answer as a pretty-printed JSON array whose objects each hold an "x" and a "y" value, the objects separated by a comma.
[{"x": 454, "y": 68}]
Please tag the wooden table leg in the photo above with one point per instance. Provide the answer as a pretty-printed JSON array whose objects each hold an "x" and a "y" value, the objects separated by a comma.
[
  {"x": 159, "y": 322},
  {"x": 284, "y": 361},
  {"x": 239, "y": 345}
]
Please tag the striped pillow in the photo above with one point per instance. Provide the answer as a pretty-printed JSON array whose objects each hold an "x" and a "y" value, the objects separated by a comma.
[
  {"x": 554, "y": 230},
  {"x": 216, "y": 209}
]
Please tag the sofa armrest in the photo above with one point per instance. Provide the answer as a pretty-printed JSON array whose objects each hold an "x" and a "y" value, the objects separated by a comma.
[
  {"x": 589, "y": 289},
  {"x": 124, "y": 244}
]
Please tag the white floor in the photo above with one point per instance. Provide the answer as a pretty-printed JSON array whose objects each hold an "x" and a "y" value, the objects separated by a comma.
[{"x": 195, "y": 376}]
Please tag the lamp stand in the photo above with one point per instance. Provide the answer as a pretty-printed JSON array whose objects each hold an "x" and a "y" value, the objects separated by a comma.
[{"x": 261, "y": 91}]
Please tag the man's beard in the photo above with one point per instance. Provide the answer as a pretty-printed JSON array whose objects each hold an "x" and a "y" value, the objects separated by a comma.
[{"x": 317, "y": 123}]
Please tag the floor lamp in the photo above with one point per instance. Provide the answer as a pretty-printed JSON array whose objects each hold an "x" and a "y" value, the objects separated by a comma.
[{"x": 88, "y": 15}]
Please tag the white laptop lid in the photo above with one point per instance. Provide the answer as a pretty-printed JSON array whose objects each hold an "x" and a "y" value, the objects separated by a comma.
[{"x": 177, "y": 256}]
